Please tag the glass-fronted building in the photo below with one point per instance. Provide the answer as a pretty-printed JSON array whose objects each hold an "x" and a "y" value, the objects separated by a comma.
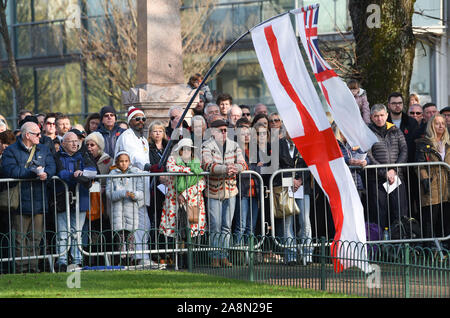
[{"x": 55, "y": 78}]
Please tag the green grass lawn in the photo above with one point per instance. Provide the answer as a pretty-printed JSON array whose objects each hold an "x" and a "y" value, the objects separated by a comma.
[{"x": 143, "y": 284}]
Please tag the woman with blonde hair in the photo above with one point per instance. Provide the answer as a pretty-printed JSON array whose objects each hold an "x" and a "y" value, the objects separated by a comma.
[
  {"x": 157, "y": 142},
  {"x": 434, "y": 147}
]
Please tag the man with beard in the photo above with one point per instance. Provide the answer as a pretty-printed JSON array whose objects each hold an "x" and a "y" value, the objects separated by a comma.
[
  {"x": 136, "y": 145},
  {"x": 405, "y": 123}
]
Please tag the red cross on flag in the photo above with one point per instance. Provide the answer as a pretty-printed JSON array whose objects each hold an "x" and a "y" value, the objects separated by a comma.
[
  {"x": 342, "y": 104},
  {"x": 300, "y": 108}
]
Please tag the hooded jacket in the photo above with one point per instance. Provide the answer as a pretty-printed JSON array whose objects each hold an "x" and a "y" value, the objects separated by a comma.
[{"x": 124, "y": 210}]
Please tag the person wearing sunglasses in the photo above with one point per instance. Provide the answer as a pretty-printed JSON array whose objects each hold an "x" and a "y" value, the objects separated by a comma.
[
  {"x": 415, "y": 111},
  {"x": 246, "y": 112},
  {"x": 175, "y": 113},
  {"x": 27, "y": 158},
  {"x": 223, "y": 158},
  {"x": 49, "y": 127},
  {"x": 136, "y": 145},
  {"x": 109, "y": 128}
]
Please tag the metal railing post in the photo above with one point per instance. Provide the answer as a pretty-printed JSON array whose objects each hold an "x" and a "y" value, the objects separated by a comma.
[
  {"x": 407, "y": 272},
  {"x": 251, "y": 258},
  {"x": 189, "y": 248},
  {"x": 323, "y": 276}
]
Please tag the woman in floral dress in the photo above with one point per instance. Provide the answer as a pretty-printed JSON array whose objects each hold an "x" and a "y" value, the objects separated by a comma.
[{"x": 182, "y": 160}]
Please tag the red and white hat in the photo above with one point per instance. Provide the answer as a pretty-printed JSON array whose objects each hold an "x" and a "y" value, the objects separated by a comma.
[{"x": 132, "y": 111}]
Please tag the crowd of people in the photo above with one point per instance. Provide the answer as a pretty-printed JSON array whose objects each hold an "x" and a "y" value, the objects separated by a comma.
[{"x": 223, "y": 139}]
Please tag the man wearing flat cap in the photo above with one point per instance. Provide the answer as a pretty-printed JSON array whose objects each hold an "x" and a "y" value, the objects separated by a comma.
[{"x": 223, "y": 159}]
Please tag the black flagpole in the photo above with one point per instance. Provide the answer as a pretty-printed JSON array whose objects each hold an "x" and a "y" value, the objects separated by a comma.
[{"x": 166, "y": 152}]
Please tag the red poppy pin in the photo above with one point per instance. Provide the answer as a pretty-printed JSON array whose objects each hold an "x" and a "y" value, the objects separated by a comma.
[{"x": 406, "y": 131}]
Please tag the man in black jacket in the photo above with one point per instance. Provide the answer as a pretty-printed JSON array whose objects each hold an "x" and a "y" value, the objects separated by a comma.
[
  {"x": 405, "y": 123},
  {"x": 391, "y": 148}
]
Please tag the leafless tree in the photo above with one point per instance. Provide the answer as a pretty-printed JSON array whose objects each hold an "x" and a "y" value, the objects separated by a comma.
[
  {"x": 109, "y": 45},
  {"x": 12, "y": 67},
  {"x": 385, "y": 51}
]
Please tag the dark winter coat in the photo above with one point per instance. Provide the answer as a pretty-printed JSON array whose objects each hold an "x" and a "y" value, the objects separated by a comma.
[
  {"x": 110, "y": 137},
  {"x": 390, "y": 148},
  {"x": 67, "y": 165},
  {"x": 409, "y": 128},
  {"x": 287, "y": 162},
  {"x": 33, "y": 194}
]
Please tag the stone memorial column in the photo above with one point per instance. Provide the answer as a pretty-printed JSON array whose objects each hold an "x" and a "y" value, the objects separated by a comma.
[{"x": 160, "y": 77}]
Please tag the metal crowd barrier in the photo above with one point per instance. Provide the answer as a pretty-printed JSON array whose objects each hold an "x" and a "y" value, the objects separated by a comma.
[
  {"x": 157, "y": 243},
  {"x": 403, "y": 226},
  {"x": 42, "y": 246},
  {"x": 103, "y": 247},
  {"x": 412, "y": 228}
]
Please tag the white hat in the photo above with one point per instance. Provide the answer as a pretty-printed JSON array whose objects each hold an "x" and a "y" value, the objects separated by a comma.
[
  {"x": 185, "y": 142},
  {"x": 122, "y": 152},
  {"x": 97, "y": 138},
  {"x": 133, "y": 111}
]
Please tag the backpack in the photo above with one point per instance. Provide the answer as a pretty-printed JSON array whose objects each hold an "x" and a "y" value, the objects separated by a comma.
[{"x": 405, "y": 228}]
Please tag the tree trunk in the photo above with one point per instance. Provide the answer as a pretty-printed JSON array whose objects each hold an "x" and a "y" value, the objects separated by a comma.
[
  {"x": 385, "y": 50},
  {"x": 12, "y": 67}
]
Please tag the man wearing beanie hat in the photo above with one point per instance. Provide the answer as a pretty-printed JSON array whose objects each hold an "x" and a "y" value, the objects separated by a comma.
[
  {"x": 136, "y": 145},
  {"x": 109, "y": 129}
]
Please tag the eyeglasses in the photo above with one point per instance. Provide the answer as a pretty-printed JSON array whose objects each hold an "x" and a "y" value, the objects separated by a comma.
[
  {"x": 173, "y": 117},
  {"x": 143, "y": 119},
  {"x": 223, "y": 131},
  {"x": 246, "y": 114},
  {"x": 276, "y": 120},
  {"x": 36, "y": 134},
  {"x": 109, "y": 115},
  {"x": 50, "y": 123},
  {"x": 415, "y": 113}
]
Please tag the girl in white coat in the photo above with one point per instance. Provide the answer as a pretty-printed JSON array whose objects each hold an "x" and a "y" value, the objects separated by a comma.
[{"x": 127, "y": 196}]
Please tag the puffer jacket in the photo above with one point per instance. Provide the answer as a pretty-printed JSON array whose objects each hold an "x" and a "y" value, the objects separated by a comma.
[
  {"x": 124, "y": 211},
  {"x": 390, "y": 148},
  {"x": 219, "y": 185},
  {"x": 438, "y": 175}
]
